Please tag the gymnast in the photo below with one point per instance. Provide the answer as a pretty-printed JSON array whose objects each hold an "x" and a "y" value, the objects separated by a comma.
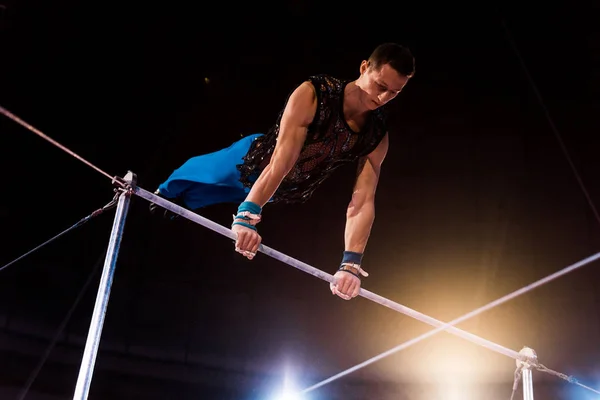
[{"x": 326, "y": 123}]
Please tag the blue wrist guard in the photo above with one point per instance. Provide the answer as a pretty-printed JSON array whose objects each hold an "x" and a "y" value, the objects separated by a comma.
[
  {"x": 352, "y": 257},
  {"x": 351, "y": 263},
  {"x": 248, "y": 215},
  {"x": 249, "y": 206}
]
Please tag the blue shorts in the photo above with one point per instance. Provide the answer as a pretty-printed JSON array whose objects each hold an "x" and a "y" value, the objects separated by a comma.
[{"x": 210, "y": 178}]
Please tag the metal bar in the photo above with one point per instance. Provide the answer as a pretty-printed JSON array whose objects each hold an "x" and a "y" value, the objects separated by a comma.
[
  {"x": 93, "y": 339},
  {"x": 523, "y": 356},
  {"x": 527, "y": 384},
  {"x": 192, "y": 216}
]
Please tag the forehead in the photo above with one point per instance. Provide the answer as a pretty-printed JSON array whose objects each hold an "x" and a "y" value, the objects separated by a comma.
[{"x": 390, "y": 77}]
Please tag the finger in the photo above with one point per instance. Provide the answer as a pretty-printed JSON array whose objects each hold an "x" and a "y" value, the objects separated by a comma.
[
  {"x": 332, "y": 288},
  {"x": 248, "y": 242},
  {"x": 238, "y": 239},
  {"x": 340, "y": 279},
  {"x": 257, "y": 244},
  {"x": 243, "y": 240},
  {"x": 250, "y": 247},
  {"x": 346, "y": 283},
  {"x": 342, "y": 295},
  {"x": 348, "y": 288},
  {"x": 242, "y": 252},
  {"x": 355, "y": 288},
  {"x": 352, "y": 286},
  {"x": 238, "y": 248},
  {"x": 251, "y": 243}
]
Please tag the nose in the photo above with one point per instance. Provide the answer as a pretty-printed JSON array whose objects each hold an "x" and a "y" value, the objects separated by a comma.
[
  {"x": 385, "y": 97},
  {"x": 382, "y": 99}
]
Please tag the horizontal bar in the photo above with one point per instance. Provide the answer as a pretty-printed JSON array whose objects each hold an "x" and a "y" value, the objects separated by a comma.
[{"x": 192, "y": 216}]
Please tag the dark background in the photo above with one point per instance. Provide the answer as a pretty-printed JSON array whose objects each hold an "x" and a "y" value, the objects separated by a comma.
[{"x": 477, "y": 198}]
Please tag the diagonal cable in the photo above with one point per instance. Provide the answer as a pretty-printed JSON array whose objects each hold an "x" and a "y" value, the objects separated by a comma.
[
  {"x": 54, "y": 142},
  {"x": 76, "y": 225}
]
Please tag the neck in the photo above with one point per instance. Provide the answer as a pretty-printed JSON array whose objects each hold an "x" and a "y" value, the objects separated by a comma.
[{"x": 353, "y": 105}]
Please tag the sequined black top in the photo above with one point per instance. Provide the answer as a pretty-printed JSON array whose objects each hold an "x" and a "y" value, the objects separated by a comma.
[{"x": 330, "y": 143}]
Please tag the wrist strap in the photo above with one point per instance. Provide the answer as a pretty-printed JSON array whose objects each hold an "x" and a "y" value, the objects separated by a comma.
[
  {"x": 248, "y": 215},
  {"x": 351, "y": 263},
  {"x": 244, "y": 224},
  {"x": 353, "y": 269}
]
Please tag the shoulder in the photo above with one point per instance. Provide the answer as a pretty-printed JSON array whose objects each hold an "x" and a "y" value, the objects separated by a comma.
[
  {"x": 302, "y": 103},
  {"x": 310, "y": 100},
  {"x": 328, "y": 91},
  {"x": 326, "y": 83}
]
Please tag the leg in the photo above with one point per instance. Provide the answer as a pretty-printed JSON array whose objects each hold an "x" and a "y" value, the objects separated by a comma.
[{"x": 208, "y": 179}]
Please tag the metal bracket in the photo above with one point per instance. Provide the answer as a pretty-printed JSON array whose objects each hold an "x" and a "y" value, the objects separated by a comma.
[{"x": 126, "y": 184}]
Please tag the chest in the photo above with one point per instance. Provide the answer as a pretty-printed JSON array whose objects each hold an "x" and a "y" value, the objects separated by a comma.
[{"x": 355, "y": 124}]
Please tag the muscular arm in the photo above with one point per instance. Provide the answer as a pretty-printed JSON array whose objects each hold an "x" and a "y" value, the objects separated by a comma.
[
  {"x": 296, "y": 118},
  {"x": 361, "y": 210}
]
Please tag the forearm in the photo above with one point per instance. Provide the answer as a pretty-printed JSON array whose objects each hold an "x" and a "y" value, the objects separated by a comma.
[
  {"x": 266, "y": 185},
  {"x": 359, "y": 220},
  {"x": 298, "y": 115}
]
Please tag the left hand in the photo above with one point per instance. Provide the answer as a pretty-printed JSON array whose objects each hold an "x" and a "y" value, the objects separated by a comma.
[
  {"x": 345, "y": 285},
  {"x": 247, "y": 241}
]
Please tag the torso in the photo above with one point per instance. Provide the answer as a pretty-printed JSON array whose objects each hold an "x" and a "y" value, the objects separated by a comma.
[{"x": 332, "y": 141}]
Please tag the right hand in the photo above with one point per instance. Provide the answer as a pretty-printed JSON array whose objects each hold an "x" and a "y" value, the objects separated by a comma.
[
  {"x": 247, "y": 241},
  {"x": 345, "y": 285}
]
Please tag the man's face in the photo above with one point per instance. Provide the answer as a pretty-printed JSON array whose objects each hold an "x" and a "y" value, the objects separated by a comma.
[{"x": 379, "y": 86}]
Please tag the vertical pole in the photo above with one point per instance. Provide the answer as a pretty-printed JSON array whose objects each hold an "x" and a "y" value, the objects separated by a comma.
[
  {"x": 527, "y": 384},
  {"x": 93, "y": 339},
  {"x": 526, "y": 371}
]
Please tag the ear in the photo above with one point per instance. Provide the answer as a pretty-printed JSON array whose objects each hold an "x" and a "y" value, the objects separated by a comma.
[{"x": 364, "y": 65}]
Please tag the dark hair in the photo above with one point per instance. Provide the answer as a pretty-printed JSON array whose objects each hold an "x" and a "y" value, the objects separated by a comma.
[{"x": 398, "y": 57}]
